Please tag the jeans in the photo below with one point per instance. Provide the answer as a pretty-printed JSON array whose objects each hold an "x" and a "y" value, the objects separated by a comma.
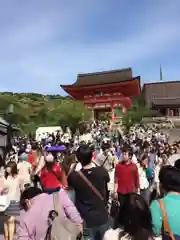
[{"x": 95, "y": 233}]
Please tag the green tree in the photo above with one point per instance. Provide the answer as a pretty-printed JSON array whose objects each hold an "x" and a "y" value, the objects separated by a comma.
[
  {"x": 70, "y": 113},
  {"x": 34, "y": 110},
  {"x": 135, "y": 114}
]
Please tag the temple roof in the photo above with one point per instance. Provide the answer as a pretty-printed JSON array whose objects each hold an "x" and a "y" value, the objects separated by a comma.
[
  {"x": 99, "y": 78},
  {"x": 162, "y": 93}
]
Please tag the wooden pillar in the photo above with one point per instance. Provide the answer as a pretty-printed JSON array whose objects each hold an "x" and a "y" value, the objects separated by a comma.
[
  {"x": 167, "y": 112},
  {"x": 92, "y": 114},
  {"x": 112, "y": 113},
  {"x": 171, "y": 112}
]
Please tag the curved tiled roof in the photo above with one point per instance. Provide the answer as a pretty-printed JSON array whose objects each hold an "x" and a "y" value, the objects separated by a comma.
[{"x": 99, "y": 78}]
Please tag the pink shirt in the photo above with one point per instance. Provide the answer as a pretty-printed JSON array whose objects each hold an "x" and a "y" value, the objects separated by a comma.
[{"x": 33, "y": 223}]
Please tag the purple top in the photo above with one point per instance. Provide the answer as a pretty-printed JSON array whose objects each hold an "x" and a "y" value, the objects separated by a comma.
[{"x": 33, "y": 223}]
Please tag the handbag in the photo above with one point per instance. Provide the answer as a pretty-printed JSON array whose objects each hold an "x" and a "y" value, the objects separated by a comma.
[
  {"x": 4, "y": 202},
  {"x": 114, "y": 208}
]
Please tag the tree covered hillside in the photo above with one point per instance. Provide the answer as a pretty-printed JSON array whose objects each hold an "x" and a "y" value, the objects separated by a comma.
[{"x": 32, "y": 110}]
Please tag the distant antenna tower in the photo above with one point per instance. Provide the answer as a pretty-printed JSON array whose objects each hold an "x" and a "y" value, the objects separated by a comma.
[{"x": 161, "y": 74}]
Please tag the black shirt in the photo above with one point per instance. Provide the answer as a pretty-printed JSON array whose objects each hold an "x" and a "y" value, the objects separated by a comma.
[{"x": 91, "y": 207}]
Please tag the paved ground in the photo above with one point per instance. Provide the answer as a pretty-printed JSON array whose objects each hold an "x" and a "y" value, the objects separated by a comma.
[{"x": 174, "y": 134}]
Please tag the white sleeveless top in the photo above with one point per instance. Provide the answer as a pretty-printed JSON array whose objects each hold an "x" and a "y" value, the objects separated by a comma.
[{"x": 13, "y": 185}]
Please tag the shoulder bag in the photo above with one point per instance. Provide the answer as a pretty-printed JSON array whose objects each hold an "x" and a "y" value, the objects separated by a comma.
[
  {"x": 54, "y": 173},
  {"x": 166, "y": 231},
  {"x": 91, "y": 186},
  {"x": 61, "y": 229},
  {"x": 104, "y": 161}
]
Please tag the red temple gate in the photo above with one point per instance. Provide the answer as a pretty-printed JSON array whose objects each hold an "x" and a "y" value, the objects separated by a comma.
[{"x": 105, "y": 90}]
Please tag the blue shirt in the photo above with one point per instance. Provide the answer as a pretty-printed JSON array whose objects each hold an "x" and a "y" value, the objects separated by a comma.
[{"x": 172, "y": 205}]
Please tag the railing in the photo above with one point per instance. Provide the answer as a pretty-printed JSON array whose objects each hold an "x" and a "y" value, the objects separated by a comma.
[{"x": 167, "y": 118}]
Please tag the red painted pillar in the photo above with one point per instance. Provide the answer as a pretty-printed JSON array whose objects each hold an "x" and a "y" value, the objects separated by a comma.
[{"x": 112, "y": 112}]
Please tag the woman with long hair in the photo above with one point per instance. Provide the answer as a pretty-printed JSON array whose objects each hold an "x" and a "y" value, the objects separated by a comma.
[
  {"x": 37, "y": 162},
  {"x": 13, "y": 187},
  {"x": 69, "y": 165},
  {"x": 11, "y": 156},
  {"x": 133, "y": 221}
]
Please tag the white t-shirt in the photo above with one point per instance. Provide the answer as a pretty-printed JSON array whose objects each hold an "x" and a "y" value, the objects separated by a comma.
[
  {"x": 144, "y": 184},
  {"x": 156, "y": 173},
  {"x": 114, "y": 235},
  {"x": 24, "y": 171}
]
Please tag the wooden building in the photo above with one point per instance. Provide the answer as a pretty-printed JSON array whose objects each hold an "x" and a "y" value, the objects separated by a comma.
[
  {"x": 105, "y": 91},
  {"x": 163, "y": 96}
]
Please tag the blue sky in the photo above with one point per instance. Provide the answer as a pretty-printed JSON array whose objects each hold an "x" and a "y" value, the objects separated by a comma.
[{"x": 46, "y": 43}]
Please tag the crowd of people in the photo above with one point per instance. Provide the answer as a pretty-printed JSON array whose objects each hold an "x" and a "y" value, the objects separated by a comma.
[{"x": 100, "y": 184}]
